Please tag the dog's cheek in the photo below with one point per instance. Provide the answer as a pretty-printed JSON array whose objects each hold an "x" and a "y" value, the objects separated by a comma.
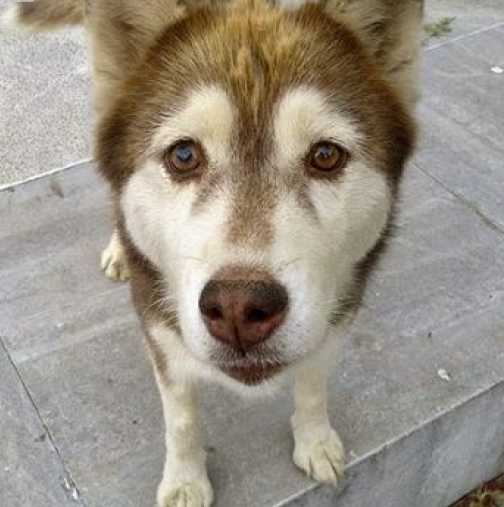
[
  {"x": 367, "y": 208},
  {"x": 155, "y": 210},
  {"x": 202, "y": 247},
  {"x": 304, "y": 256},
  {"x": 353, "y": 215},
  {"x": 139, "y": 204},
  {"x": 181, "y": 243},
  {"x": 321, "y": 245}
]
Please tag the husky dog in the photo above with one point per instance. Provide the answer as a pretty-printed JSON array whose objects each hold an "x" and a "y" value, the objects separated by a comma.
[{"x": 254, "y": 151}]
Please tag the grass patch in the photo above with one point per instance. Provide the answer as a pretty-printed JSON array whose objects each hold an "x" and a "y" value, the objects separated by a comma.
[{"x": 439, "y": 28}]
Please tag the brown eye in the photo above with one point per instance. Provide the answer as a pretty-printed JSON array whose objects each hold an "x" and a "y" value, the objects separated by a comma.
[
  {"x": 326, "y": 158},
  {"x": 184, "y": 158}
]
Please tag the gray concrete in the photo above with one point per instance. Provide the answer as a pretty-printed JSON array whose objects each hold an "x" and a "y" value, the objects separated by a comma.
[
  {"x": 463, "y": 120},
  {"x": 31, "y": 470},
  {"x": 72, "y": 365},
  {"x": 471, "y": 16},
  {"x": 45, "y": 106}
]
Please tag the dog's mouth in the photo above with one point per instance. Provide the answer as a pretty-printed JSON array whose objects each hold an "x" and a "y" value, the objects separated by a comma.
[
  {"x": 252, "y": 367},
  {"x": 252, "y": 373},
  {"x": 249, "y": 370}
]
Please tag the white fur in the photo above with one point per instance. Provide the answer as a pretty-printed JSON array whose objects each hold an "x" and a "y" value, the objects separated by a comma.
[
  {"x": 185, "y": 481},
  {"x": 113, "y": 260},
  {"x": 9, "y": 21},
  {"x": 351, "y": 214},
  {"x": 303, "y": 117},
  {"x": 318, "y": 450},
  {"x": 186, "y": 368},
  {"x": 207, "y": 115},
  {"x": 317, "y": 447},
  {"x": 292, "y": 5}
]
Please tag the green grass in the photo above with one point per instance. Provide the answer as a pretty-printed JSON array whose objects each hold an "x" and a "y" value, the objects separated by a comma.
[{"x": 439, "y": 28}]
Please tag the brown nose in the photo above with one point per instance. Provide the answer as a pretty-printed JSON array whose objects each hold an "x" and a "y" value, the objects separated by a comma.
[{"x": 245, "y": 310}]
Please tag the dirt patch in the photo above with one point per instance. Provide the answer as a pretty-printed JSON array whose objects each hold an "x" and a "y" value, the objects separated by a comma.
[{"x": 489, "y": 495}]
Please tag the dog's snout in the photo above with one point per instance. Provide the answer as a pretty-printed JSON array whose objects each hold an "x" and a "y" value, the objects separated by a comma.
[{"x": 242, "y": 308}]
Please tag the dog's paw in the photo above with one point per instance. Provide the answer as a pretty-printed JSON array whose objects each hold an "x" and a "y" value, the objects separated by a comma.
[
  {"x": 193, "y": 493},
  {"x": 320, "y": 454},
  {"x": 113, "y": 260}
]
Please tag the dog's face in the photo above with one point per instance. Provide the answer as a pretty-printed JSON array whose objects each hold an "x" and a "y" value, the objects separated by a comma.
[{"x": 256, "y": 156}]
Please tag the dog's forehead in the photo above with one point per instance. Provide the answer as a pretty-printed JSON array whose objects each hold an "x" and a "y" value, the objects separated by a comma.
[
  {"x": 255, "y": 53},
  {"x": 207, "y": 114},
  {"x": 266, "y": 71},
  {"x": 299, "y": 117}
]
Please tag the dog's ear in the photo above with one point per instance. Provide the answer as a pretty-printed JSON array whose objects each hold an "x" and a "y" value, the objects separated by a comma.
[
  {"x": 391, "y": 31},
  {"x": 121, "y": 31}
]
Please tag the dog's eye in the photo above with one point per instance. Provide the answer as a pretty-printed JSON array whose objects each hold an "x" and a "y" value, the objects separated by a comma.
[
  {"x": 184, "y": 159},
  {"x": 326, "y": 158}
]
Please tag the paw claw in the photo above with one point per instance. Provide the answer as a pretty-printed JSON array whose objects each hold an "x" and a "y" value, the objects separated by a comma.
[
  {"x": 113, "y": 260},
  {"x": 321, "y": 458},
  {"x": 191, "y": 494}
]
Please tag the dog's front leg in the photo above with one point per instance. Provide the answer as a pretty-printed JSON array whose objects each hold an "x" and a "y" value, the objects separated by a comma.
[
  {"x": 318, "y": 450},
  {"x": 185, "y": 481}
]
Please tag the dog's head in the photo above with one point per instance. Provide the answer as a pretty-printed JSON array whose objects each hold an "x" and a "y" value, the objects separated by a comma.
[{"x": 256, "y": 153}]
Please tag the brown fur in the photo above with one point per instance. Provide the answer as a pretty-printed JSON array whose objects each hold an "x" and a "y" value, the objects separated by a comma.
[
  {"x": 390, "y": 30},
  {"x": 121, "y": 31},
  {"x": 256, "y": 54},
  {"x": 256, "y": 57},
  {"x": 49, "y": 14},
  {"x": 147, "y": 55},
  {"x": 148, "y": 294}
]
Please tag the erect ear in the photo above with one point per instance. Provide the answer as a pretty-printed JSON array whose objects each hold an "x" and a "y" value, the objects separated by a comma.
[
  {"x": 121, "y": 32},
  {"x": 391, "y": 30}
]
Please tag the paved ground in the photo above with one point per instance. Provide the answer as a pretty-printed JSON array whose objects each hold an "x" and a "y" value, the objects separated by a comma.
[
  {"x": 45, "y": 109},
  {"x": 80, "y": 419}
]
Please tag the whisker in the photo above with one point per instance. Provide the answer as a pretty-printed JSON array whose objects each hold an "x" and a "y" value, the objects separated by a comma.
[{"x": 192, "y": 258}]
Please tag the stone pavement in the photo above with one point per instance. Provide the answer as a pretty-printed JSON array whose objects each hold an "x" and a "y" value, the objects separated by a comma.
[{"x": 418, "y": 394}]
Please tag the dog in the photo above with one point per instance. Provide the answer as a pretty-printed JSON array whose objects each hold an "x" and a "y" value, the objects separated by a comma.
[{"x": 254, "y": 150}]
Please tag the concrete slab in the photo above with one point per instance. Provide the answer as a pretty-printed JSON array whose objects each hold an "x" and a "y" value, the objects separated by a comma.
[
  {"x": 45, "y": 106},
  {"x": 463, "y": 117},
  {"x": 31, "y": 470},
  {"x": 469, "y": 17}
]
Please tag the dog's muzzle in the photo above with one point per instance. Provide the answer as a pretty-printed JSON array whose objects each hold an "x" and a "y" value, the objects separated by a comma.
[{"x": 241, "y": 309}]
